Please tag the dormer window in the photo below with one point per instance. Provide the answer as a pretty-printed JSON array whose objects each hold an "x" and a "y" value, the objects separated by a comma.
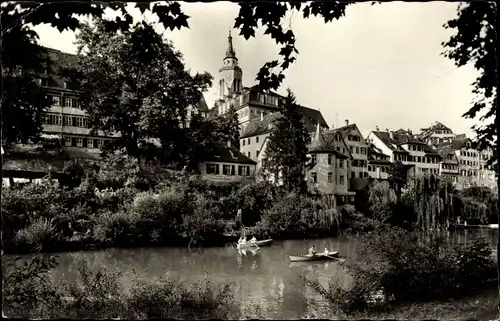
[{"x": 313, "y": 159}]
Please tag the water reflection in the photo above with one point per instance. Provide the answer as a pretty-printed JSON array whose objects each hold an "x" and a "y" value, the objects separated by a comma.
[{"x": 262, "y": 278}]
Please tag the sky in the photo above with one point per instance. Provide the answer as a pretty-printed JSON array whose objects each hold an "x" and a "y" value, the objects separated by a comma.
[{"x": 379, "y": 65}]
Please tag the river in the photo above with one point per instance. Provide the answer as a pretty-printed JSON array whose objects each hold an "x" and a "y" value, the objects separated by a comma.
[{"x": 264, "y": 279}]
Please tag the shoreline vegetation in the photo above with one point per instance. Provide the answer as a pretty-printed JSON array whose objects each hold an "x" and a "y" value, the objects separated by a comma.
[{"x": 398, "y": 230}]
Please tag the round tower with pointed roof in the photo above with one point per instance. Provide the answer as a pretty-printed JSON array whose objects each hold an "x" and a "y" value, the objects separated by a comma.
[
  {"x": 231, "y": 76},
  {"x": 321, "y": 171}
]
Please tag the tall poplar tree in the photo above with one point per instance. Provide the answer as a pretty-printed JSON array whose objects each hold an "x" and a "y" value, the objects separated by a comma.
[{"x": 287, "y": 147}]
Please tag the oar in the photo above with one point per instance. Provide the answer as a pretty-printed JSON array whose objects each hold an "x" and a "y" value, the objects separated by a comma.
[
  {"x": 334, "y": 258},
  {"x": 255, "y": 243}
]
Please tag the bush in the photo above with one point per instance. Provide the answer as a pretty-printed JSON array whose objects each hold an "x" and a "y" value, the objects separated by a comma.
[
  {"x": 294, "y": 215},
  {"x": 204, "y": 221},
  {"x": 395, "y": 267},
  {"x": 30, "y": 293},
  {"x": 38, "y": 235}
]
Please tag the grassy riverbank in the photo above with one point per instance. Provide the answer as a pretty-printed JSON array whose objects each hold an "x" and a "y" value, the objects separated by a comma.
[{"x": 394, "y": 272}]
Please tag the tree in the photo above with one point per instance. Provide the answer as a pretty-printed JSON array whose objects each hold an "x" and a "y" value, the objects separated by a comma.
[
  {"x": 227, "y": 128},
  {"x": 287, "y": 147},
  {"x": 23, "y": 101},
  {"x": 475, "y": 41},
  {"x": 134, "y": 83}
]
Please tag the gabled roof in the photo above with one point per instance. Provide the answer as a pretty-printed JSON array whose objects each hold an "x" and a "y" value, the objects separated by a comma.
[
  {"x": 319, "y": 145},
  {"x": 460, "y": 143},
  {"x": 227, "y": 154},
  {"x": 374, "y": 150},
  {"x": 330, "y": 137},
  {"x": 202, "y": 105},
  {"x": 256, "y": 126},
  {"x": 345, "y": 130},
  {"x": 389, "y": 142}
]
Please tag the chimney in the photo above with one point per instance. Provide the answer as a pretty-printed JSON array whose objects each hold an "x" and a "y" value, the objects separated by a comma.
[
  {"x": 332, "y": 126},
  {"x": 376, "y": 128},
  {"x": 391, "y": 134},
  {"x": 409, "y": 130},
  {"x": 228, "y": 143},
  {"x": 261, "y": 115},
  {"x": 347, "y": 122}
]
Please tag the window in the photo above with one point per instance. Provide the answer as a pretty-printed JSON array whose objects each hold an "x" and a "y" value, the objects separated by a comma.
[
  {"x": 341, "y": 179},
  {"x": 53, "y": 119},
  {"x": 79, "y": 142},
  {"x": 353, "y": 174},
  {"x": 257, "y": 139},
  {"x": 357, "y": 150},
  {"x": 68, "y": 102},
  {"x": 330, "y": 159},
  {"x": 85, "y": 123},
  {"x": 67, "y": 141},
  {"x": 248, "y": 154},
  {"x": 330, "y": 177},
  {"x": 314, "y": 178},
  {"x": 78, "y": 121},
  {"x": 257, "y": 153},
  {"x": 313, "y": 159},
  {"x": 56, "y": 101},
  {"x": 228, "y": 169},
  {"x": 244, "y": 170},
  {"x": 213, "y": 169},
  {"x": 43, "y": 82},
  {"x": 341, "y": 163},
  {"x": 248, "y": 141},
  {"x": 66, "y": 120},
  {"x": 90, "y": 143},
  {"x": 100, "y": 143},
  {"x": 363, "y": 150},
  {"x": 243, "y": 142}
]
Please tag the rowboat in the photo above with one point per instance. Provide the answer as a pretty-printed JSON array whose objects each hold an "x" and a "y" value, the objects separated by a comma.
[
  {"x": 252, "y": 245},
  {"x": 317, "y": 257}
]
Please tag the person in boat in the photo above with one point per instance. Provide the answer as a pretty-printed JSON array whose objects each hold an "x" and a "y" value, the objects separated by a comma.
[
  {"x": 326, "y": 251},
  {"x": 312, "y": 251},
  {"x": 253, "y": 240},
  {"x": 243, "y": 240}
]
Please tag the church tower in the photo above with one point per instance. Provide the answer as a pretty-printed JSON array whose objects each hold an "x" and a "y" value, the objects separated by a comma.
[{"x": 230, "y": 73}]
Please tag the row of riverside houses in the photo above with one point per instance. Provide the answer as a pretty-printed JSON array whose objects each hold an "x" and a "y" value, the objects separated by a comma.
[{"x": 342, "y": 161}]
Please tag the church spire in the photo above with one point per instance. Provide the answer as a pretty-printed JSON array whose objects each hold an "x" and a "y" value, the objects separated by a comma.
[{"x": 230, "y": 50}]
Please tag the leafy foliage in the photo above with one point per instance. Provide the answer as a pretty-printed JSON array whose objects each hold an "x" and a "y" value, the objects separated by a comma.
[
  {"x": 287, "y": 147},
  {"x": 475, "y": 41},
  {"x": 29, "y": 292},
  {"x": 23, "y": 100},
  {"x": 272, "y": 17},
  {"x": 394, "y": 267}
]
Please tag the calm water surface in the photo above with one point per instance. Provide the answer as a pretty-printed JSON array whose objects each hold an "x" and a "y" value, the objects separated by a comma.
[{"x": 263, "y": 278}]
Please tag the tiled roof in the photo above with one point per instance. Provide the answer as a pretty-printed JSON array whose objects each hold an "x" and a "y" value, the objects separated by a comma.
[
  {"x": 345, "y": 130},
  {"x": 374, "y": 150},
  {"x": 330, "y": 136},
  {"x": 257, "y": 126},
  {"x": 202, "y": 105},
  {"x": 389, "y": 142},
  {"x": 459, "y": 143},
  {"x": 319, "y": 145},
  {"x": 379, "y": 161},
  {"x": 228, "y": 155}
]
